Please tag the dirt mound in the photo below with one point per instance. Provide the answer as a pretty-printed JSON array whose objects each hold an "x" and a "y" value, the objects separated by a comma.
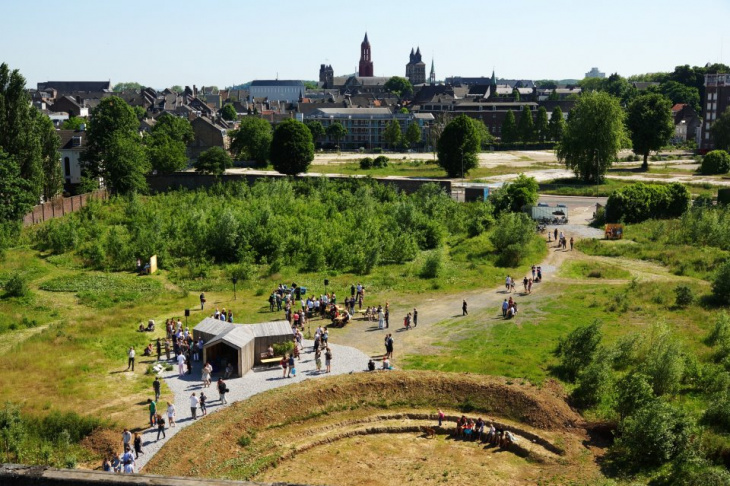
[{"x": 266, "y": 419}]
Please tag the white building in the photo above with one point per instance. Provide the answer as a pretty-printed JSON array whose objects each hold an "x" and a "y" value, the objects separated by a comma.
[{"x": 73, "y": 143}]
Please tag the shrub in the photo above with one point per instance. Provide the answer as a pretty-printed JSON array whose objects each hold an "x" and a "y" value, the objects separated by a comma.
[
  {"x": 653, "y": 435},
  {"x": 577, "y": 350},
  {"x": 633, "y": 393},
  {"x": 366, "y": 163},
  {"x": 433, "y": 265},
  {"x": 715, "y": 162},
  {"x": 721, "y": 283},
  {"x": 15, "y": 286},
  {"x": 638, "y": 202},
  {"x": 718, "y": 413},
  {"x": 244, "y": 440},
  {"x": 511, "y": 237},
  {"x": 664, "y": 361},
  {"x": 280, "y": 349},
  {"x": 381, "y": 162},
  {"x": 594, "y": 384},
  {"x": 684, "y": 296}
]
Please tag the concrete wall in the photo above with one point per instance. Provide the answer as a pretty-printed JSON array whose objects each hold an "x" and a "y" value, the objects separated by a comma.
[
  {"x": 19, "y": 475},
  {"x": 192, "y": 180}
]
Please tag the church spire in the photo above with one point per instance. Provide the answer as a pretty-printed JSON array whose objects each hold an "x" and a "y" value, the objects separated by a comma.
[{"x": 432, "y": 76}]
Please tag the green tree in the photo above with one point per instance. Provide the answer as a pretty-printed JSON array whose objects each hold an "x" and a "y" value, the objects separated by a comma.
[
  {"x": 526, "y": 126},
  {"x": 509, "y": 128},
  {"x": 715, "y": 162},
  {"x": 511, "y": 238},
  {"x": 18, "y": 134},
  {"x": 214, "y": 161},
  {"x": 413, "y": 134},
  {"x": 392, "y": 134},
  {"x": 633, "y": 393},
  {"x": 485, "y": 138},
  {"x": 557, "y": 124},
  {"x": 316, "y": 128},
  {"x": 140, "y": 112},
  {"x": 73, "y": 123},
  {"x": 653, "y": 435},
  {"x": 542, "y": 125},
  {"x": 114, "y": 147},
  {"x": 292, "y": 149},
  {"x": 336, "y": 131},
  {"x": 252, "y": 140},
  {"x": 594, "y": 384},
  {"x": 177, "y": 89},
  {"x": 720, "y": 131},
  {"x": 578, "y": 349},
  {"x": 167, "y": 143},
  {"x": 399, "y": 86},
  {"x": 228, "y": 112},
  {"x": 513, "y": 196},
  {"x": 16, "y": 195},
  {"x": 127, "y": 86},
  {"x": 458, "y": 147},
  {"x": 721, "y": 283},
  {"x": 680, "y": 93},
  {"x": 49, "y": 143},
  {"x": 650, "y": 124},
  {"x": 664, "y": 361},
  {"x": 593, "y": 136}
]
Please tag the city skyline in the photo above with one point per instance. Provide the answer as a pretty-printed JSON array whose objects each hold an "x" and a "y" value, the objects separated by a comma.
[{"x": 168, "y": 43}]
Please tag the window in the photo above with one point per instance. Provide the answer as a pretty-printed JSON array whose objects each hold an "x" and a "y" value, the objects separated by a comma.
[{"x": 67, "y": 167}]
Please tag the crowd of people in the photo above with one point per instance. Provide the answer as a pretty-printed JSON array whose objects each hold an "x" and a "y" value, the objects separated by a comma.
[{"x": 469, "y": 429}]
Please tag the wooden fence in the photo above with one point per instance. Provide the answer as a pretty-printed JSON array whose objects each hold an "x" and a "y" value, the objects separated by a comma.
[{"x": 61, "y": 206}]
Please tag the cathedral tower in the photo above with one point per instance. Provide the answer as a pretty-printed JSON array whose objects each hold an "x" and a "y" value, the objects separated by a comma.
[{"x": 366, "y": 61}]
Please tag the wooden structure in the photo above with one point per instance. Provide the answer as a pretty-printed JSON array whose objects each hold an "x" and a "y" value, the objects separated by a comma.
[{"x": 239, "y": 344}]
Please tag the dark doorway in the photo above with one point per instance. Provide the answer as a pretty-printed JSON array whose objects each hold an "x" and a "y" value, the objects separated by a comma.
[{"x": 220, "y": 354}]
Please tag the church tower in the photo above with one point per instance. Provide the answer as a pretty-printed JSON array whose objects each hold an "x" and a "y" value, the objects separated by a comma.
[
  {"x": 432, "y": 76},
  {"x": 366, "y": 61},
  {"x": 416, "y": 69}
]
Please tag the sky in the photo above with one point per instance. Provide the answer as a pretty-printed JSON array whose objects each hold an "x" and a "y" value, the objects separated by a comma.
[{"x": 162, "y": 43}]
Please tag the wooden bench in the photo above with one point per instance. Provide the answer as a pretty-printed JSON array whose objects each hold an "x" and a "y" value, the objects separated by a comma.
[{"x": 271, "y": 361}]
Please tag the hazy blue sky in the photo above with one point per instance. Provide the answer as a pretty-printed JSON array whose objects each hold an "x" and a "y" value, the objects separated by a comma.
[{"x": 160, "y": 43}]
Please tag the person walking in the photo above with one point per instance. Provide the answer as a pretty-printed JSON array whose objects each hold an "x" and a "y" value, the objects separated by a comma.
[
  {"x": 202, "y": 300},
  {"x": 505, "y": 306},
  {"x": 156, "y": 387},
  {"x": 222, "y": 390},
  {"x": 194, "y": 401},
  {"x": 130, "y": 358},
  {"x": 571, "y": 243},
  {"x": 464, "y": 312},
  {"x": 171, "y": 413},
  {"x": 159, "y": 349},
  {"x": 167, "y": 349},
  {"x": 153, "y": 411},
  {"x": 415, "y": 317},
  {"x": 318, "y": 360},
  {"x": 292, "y": 365},
  {"x": 556, "y": 234},
  {"x": 126, "y": 438},
  {"x": 137, "y": 446},
  {"x": 389, "y": 346},
  {"x": 128, "y": 460},
  {"x": 387, "y": 315},
  {"x": 160, "y": 427}
]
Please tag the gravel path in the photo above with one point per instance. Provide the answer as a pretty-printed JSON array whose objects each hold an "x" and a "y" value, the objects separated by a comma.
[{"x": 345, "y": 359}]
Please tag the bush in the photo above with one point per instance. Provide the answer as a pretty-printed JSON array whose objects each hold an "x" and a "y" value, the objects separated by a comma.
[
  {"x": 280, "y": 349},
  {"x": 381, "y": 162},
  {"x": 633, "y": 393},
  {"x": 594, "y": 384},
  {"x": 715, "y": 162},
  {"x": 638, "y": 202},
  {"x": 577, "y": 350},
  {"x": 15, "y": 286},
  {"x": 366, "y": 163},
  {"x": 721, "y": 283},
  {"x": 717, "y": 414},
  {"x": 511, "y": 237},
  {"x": 653, "y": 435},
  {"x": 684, "y": 296},
  {"x": 664, "y": 361},
  {"x": 433, "y": 265}
]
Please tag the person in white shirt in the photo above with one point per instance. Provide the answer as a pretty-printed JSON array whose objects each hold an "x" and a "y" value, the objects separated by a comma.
[
  {"x": 130, "y": 359},
  {"x": 180, "y": 364},
  {"x": 171, "y": 414},
  {"x": 194, "y": 401}
]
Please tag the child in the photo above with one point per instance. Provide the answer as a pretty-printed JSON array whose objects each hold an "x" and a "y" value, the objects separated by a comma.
[
  {"x": 203, "y": 398},
  {"x": 318, "y": 359}
]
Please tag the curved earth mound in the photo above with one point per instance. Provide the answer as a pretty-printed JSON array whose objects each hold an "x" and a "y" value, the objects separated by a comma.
[{"x": 337, "y": 430}]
